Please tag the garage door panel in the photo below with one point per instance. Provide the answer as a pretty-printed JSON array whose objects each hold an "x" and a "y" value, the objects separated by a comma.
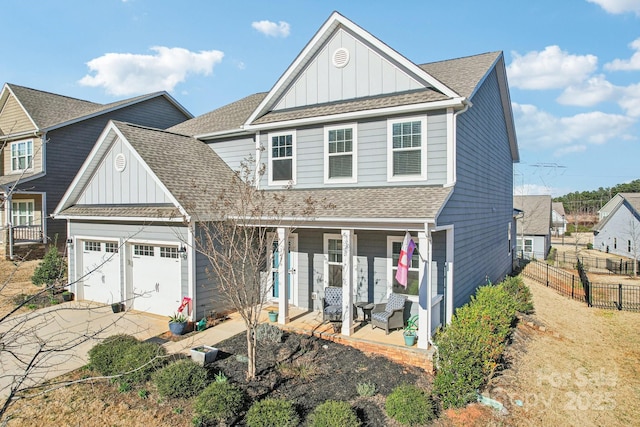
[
  {"x": 101, "y": 271},
  {"x": 156, "y": 278}
]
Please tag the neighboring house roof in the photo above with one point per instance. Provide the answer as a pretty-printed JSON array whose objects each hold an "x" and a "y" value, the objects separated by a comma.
[
  {"x": 632, "y": 200},
  {"x": 536, "y": 219},
  {"x": 558, "y": 208},
  {"x": 48, "y": 110}
]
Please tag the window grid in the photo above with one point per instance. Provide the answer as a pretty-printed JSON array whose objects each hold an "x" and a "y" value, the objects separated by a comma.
[
  {"x": 340, "y": 152},
  {"x": 143, "y": 250},
  {"x": 21, "y": 155},
  {"x": 282, "y": 157},
  {"x": 22, "y": 213},
  {"x": 168, "y": 252},
  {"x": 406, "y": 147},
  {"x": 111, "y": 247},
  {"x": 92, "y": 246}
]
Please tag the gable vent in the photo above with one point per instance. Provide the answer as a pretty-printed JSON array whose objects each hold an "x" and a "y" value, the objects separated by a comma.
[
  {"x": 120, "y": 162},
  {"x": 341, "y": 57}
]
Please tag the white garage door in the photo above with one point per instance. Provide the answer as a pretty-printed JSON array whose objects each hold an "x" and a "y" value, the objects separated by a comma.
[
  {"x": 156, "y": 278},
  {"x": 101, "y": 271}
]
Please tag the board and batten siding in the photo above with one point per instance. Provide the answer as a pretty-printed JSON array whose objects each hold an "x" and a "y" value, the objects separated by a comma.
[
  {"x": 623, "y": 226},
  {"x": 124, "y": 232},
  {"x": 368, "y": 73},
  {"x": 68, "y": 147},
  {"x": 372, "y": 153},
  {"x": 481, "y": 205},
  {"x": 133, "y": 185}
]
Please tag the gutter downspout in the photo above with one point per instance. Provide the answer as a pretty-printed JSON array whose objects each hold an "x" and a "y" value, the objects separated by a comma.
[{"x": 467, "y": 104}]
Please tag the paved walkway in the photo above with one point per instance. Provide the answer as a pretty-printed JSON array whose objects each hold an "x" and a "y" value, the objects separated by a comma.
[{"x": 56, "y": 340}]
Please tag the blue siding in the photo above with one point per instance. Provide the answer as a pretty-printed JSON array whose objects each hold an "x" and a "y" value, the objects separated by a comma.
[{"x": 481, "y": 205}]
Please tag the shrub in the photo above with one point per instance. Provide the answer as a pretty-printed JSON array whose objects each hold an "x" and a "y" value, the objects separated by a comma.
[
  {"x": 266, "y": 332},
  {"x": 219, "y": 402},
  {"x": 409, "y": 405},
  {"x": 106, "y": 356},
  {"x": 589, "y": 245},
  {"x": 183, "y": 378},
  {"x": 469, "y": 349},
  {"x": 140, "y": 361},
  {"x": 520, "y": 293},
  {"x": 366, "y": 389},
  {"x": 333, "y": 414},
  {"x": 301, "y": 370},
  {"x": 51, "y": 269},
  {"x": 272, "y": 413}
]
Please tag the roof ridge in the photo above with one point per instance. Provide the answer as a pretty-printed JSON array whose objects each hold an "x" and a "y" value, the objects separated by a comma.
[
  {"x": 134, "y": 125},
  {"x": 461, "y": 57}
]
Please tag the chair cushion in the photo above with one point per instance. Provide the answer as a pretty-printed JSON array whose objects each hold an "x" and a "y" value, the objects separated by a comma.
[
  {"x": 381, "y": 316},
  {"x": 333, "y": 296},
  {"x": 395, "y": 302},
  {"x": 333, "y": 309}
]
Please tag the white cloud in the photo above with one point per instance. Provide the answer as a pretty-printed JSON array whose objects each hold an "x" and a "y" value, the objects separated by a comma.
[
  {"x": 130, "y": 74},
  {"x": 618, "y": 6},
  {"x": 631, "y": 64},
  {"x": 630, "y": 100},
  {"x": 538, "y": 129},
  {"x": 268, "y": 28},
  {"x": 590, "y": 92},
  {"x": 551, "y": 68}
]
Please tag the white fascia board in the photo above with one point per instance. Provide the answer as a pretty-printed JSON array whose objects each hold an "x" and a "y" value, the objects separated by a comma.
[{"x": 116, "y": 218}]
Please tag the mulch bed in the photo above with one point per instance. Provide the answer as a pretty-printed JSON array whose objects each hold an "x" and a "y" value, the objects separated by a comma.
[{"x": 309, "y": 371}]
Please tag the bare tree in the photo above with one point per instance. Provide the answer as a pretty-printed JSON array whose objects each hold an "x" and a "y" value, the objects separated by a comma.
[{"x": 239, "y": 245}]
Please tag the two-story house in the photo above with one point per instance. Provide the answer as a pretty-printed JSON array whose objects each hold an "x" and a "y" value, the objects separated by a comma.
[
  {"x": 45, "y": 139},
  {"x": 393, "y": 146}
]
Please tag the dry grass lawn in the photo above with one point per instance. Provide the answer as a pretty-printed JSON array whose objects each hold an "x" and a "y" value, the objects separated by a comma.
[{"x": 15, "y": 279}]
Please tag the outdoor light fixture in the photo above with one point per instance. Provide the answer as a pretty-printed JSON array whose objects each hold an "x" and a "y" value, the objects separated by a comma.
[
  {"x": 183, "y": 251},
  {"x": 69, "y": 241}
]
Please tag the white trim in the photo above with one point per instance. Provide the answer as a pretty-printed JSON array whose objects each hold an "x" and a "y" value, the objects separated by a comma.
[
  {"x": 115, "y": 218},
  {"x": 28, "y": 164},
  {"x": 423, "y": 149},
  {"x": 270, "y": 136},
  {"x": 325, "y": 252},
  {"x": 33, "y": 210},
  {"x": 390, "y": 267},
  {"x": 349, "y": 262},
  {"x": 191, "y": 268},
  {"x": 451, "y": 147},
  {"x": 354, "y": 154}
]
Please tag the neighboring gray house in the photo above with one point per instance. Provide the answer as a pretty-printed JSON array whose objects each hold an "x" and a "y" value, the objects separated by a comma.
[
  {"x": 46, "y": 138},
  {"x": 533, "y": 226},
  {"x": 558, "y": 219},
  {"x": 393, "y": 145},
  {"x": 618, "y": 231}
]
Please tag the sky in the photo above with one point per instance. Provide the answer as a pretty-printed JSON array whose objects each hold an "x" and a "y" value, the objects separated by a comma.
[{"x": 573, "y": 66}]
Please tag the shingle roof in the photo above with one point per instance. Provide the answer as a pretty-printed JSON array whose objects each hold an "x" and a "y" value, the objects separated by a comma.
[
  {"x": 537, "y": 214},
  {"x": 113, "y": 211},
  {"x": 632, "y": 200},
  {"x": 558, "y": 207},
  {"x": 49, "y": 109}
]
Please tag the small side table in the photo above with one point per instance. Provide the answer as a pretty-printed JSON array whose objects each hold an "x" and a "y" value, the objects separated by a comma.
[{"x": 366, "y": 307}]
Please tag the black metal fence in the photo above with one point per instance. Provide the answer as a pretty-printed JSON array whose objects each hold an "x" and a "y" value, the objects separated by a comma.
[
  {"x": 622, "y": 266},
  {"x": 568, "y": 260},
  {"x": 601, "y": 295}
]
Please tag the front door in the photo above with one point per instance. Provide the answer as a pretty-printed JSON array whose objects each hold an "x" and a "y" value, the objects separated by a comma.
[{"x": 293, "y": 266}]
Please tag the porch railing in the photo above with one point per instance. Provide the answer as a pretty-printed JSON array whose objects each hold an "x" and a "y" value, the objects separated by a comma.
[{"x": 27, "y": 233}]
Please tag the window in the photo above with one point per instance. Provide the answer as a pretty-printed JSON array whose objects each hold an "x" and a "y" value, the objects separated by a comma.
[
  {"x": 340, "y": 154},
  {"x": 22, "y": 212},
  {"x": 143, "y": 250},
  {"x": 509, "y": 236},
  {"x": 92, "y": 246},
  {"x": 168, "y": 252},
  {"x": 333, "y": 253},
  {"x": 615, "y": 243},
  {"x": 394, "y": 245},
  {"x": 111, "y": 247},
  {"x": 407, "y": 149},
  {"x": 528, "y": 246},
  {"x": 21, "y": 155},
  {"x": 282, "y": 158},
  {"x": 628, "y": 245}
]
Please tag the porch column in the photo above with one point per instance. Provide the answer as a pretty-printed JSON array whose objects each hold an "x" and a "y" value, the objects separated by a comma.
[
  {"x": 424, "y": 294},
  {"x": 348, "y": 325},
  {"x": 283, "y": 275},
  {"x": 449, "y": 284}
]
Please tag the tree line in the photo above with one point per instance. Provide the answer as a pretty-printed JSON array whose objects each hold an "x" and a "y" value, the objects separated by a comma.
[{"x": 579, "y": 200}]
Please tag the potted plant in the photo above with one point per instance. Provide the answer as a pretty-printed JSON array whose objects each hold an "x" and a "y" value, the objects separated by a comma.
[
  {"x": 273, "y": 316},
  {"x": 67, "y": 296},
  {"x": 178, "y": 323},
  {"x": 410, "y": 331},
  {"x": 204, "y": 354},
  {"x": 117, "y": 307}
]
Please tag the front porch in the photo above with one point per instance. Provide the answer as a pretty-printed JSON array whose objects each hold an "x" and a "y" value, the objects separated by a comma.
[
  {"x": 25, "y": 226},
  {"x": 364, "y": 337}
]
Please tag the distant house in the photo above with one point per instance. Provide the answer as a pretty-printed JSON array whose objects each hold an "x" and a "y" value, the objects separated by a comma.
[
  {"x": 46, "y": 138},
  {"x": 618, "y": 231},
  {"x": 558, "y": 219},
  {"x": 394, "y": 146},
  {"x": 533, "y": 226}
]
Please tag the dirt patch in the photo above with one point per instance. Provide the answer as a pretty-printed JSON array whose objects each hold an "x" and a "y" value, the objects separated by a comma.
[{"x": 574, "y": 366}]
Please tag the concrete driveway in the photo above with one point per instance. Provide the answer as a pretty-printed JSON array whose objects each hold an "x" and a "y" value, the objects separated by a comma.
[{"x": 49, "y": 342}]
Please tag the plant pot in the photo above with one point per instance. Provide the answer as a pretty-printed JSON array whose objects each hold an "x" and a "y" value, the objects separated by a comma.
[
  {"x": 67, "y": 296},
  {"x": 204, "y": 354},
  {"x": 178, "y": 328},
  {"x": 410, "y": 339},
  {"x": 273, "y": 316},
  {"x": 117, "y": 307}
]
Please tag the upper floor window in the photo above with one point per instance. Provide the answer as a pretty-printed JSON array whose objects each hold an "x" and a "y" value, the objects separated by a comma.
[
  {"x": 21, "y": 155},
  {"x": 282, "y": 159},
  {"x": 407, "y": 149},
  {"x": 340, "y": 163}
]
